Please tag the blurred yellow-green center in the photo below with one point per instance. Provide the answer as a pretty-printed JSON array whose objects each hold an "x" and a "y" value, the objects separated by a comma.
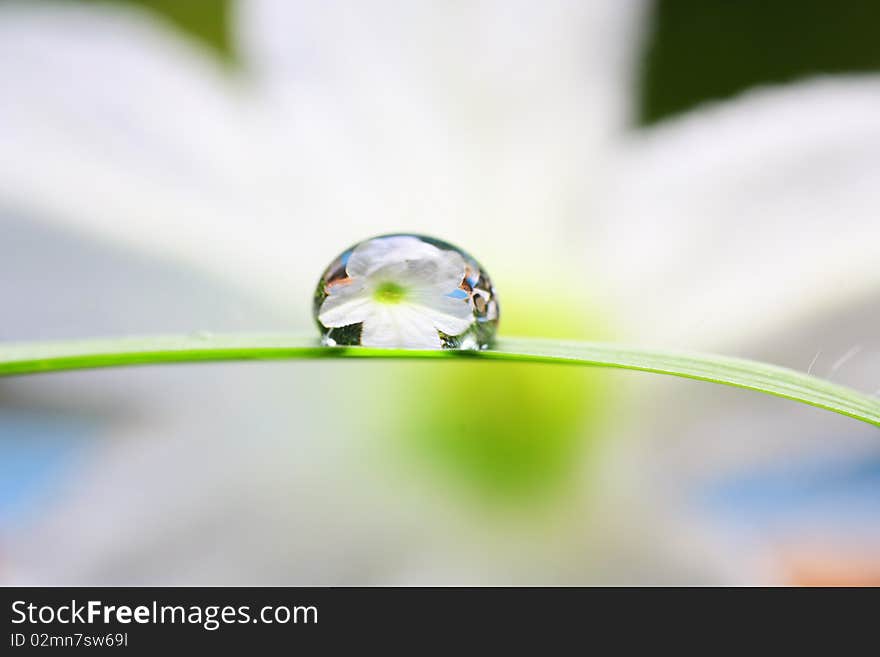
[{"x": 516, "y": 435}]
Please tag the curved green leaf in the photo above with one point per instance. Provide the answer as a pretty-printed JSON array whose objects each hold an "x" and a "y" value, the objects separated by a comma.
[{"x": 31, "y": 358}]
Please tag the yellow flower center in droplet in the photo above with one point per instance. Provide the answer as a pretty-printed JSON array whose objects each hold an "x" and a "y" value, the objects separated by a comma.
[{"x": 389, "y": 293}]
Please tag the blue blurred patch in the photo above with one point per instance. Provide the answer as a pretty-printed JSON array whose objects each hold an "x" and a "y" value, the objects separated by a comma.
[
  {"x": 458, "y": 293},
  {"x": 833, "y": 493},
  {"x": 38, "y": 451}
]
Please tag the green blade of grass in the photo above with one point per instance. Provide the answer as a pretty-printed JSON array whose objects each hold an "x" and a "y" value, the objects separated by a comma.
[{"x": 32, "y": 358}]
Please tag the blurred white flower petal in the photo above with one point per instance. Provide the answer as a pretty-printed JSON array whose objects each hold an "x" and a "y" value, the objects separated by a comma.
[
  {"x": 431, "y": 128},
  {"x": 114, "y": 125},
  {"x": 733, "y": 220},
  {"x": 479, "y": 121}
]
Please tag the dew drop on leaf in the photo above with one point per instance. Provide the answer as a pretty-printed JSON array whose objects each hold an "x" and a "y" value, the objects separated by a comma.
[{"x": 406, "y": 291}]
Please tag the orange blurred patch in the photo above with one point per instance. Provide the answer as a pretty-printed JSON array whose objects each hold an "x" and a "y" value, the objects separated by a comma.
[{"x": 828, "y": 567}]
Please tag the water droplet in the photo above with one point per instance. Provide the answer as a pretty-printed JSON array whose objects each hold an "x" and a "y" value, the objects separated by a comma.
[{"x": 407, "y": 292}]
